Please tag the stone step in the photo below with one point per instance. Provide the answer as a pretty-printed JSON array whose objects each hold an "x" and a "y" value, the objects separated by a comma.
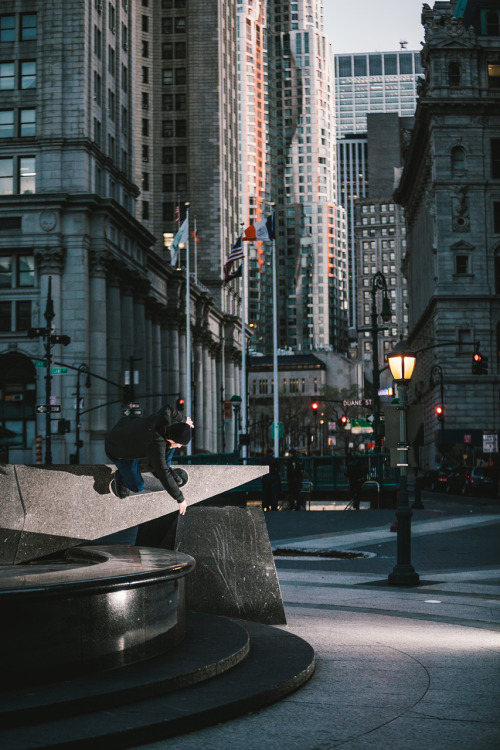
[
  {"x": 278, "y": 663},
  {"x": 211, "y": 646}
]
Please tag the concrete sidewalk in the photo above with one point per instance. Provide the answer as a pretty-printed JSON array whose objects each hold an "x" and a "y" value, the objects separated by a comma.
[{"x": 400, "y": 668}]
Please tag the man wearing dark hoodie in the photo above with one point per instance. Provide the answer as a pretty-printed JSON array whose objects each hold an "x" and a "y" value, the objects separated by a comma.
[{"x": 133, "y": 438}]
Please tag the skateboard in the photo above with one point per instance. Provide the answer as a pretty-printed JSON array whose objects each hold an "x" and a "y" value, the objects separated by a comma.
[{"x": 181, "y": 476}]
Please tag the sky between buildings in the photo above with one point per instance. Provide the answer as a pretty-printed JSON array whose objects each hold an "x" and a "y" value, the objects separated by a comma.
[{"x": 373, "y": 25}]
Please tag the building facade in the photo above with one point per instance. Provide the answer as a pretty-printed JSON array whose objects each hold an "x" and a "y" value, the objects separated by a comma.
[
  {"x": 79, "y": 148},
  {"x": 380, "y": 244},
  {"x": 367, "y": 83},
  {"x": 450, "y": 189},
  {"x": 310, "y": 232}
]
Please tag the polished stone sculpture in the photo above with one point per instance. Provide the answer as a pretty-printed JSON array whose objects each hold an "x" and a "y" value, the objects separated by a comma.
[
  {"x": 235, "y": 574},
  {"x": 47, "y": 509}
]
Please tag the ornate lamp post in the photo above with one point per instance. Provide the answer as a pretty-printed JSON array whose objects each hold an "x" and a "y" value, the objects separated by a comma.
[
  {"x": 83, "y": 369},
  {"x": 378, "y": 282},
  {"x": 402, "y": 363}
]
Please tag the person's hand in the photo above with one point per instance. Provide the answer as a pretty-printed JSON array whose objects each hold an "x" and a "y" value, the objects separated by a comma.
[
  {"x": 182, "y": 508},
  {"x": 189, "y": 421}
]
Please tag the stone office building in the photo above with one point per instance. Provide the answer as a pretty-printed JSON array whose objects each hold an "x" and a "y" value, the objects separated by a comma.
[
  {"x": 69, "y": 142},
  {"x": 450, "y": 189}
]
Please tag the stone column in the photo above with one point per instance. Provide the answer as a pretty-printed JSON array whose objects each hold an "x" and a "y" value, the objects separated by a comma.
[
  {"x": 207, "y": 411},
  {"x": 147, "y": 386},
  {"x": 156, "y": 364},
  {"x": 127, "y": 323},
  {"x": 99, "y": 263},
  {"x": 114, "y": 332},
  {"x": 215, "y": 411},
  {"x": 199, "y": 411},
  {"x": 141, "y": 288}
]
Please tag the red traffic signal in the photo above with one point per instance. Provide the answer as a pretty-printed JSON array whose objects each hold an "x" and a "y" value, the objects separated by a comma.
[
  {"x": 343, "y": 420},
  {"x": 180, "y": 403},
  {"x": 439, "y": 412},
  {"x": 314, "y": 406}
]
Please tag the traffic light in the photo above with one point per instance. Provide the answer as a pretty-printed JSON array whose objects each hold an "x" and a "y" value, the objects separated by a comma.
[
  {"x": 314, "y": 406},
  {"x": 34, "y": 333},
  {"x": 479, "y": 364},
  {"x": 60, "y": 338},
  {"x": 180, "y": 404},
  {"x": 343, "y": 420},
  {"x": 439, "y": 410}
]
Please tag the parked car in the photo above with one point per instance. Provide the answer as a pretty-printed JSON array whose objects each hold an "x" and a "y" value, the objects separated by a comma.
[
  {"x": 456, "y": 480},
  {"x": 437, "y": 479},
  {"x": 481, "y": 480}
]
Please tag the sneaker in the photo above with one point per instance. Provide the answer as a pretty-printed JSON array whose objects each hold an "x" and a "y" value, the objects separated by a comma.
[{"x": 118, "y": 489}]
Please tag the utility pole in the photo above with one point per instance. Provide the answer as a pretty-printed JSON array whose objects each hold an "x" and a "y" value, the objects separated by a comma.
[{"x": 50, "y": 340}]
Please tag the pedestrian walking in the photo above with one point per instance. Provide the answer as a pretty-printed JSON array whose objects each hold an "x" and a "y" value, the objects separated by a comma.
[
  {"x": 356, "y": 476},
  {"x": 295, "y": 476},
  {"x": 153, "y": 438},
  {"x": 270, "y": 482}
]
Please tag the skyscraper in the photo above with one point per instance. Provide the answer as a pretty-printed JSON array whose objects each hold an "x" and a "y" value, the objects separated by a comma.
[
  {"x": 312, "y": 283},
  {"x": 371, "y": 82}
]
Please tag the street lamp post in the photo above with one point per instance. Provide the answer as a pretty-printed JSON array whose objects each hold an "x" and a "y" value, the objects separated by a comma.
[
  {"x": 236, "y": 402},
  {"x": 83, "y": 369},
  {"x": 378, "y": 282},
  {"x": 402, "y": 363}
]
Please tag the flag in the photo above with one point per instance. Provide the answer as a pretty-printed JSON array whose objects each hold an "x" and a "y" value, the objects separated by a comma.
[
  {"x": 181, "y": 236},
  {"x": 177, "y": 214},
  {"x": 235, "y": 254},
  {"x": 261, "y": 231}
]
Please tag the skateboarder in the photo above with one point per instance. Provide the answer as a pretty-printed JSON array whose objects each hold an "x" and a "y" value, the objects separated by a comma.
[{"x": 147, "y": 437}]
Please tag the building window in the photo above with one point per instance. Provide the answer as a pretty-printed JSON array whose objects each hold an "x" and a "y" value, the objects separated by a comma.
[
  {"x": 168, "y": 76},
  {"x": 495, "y": 158},
  {"x": 7, "y": 76},
  {"x": 458, "y": 159},
  {"x": 454, "y": 74},
  {"x": 145, "y": 48},
  {"x": 145, "y": 210},
  {"x": 492, "y": 23},
  {"x": 27, "y": 123},
  {"x": 497, "y": 274},
  {"x": 28, "y": 74},
  {"x": 263, "y": 386},
  {"x": 6, "y": 176},
  {"x": 494, "y": 75},
  {"x": 167, "y": 129},
  {"x": 7, "y": 28},
  {"x": 17, "y": 271},
  {"x": 15, "y": 316},
  {"x": 28, "y": 27},
  {"x": 462, "y": 264},
  {"x": 145, "y": 24},
  {"x": 7, "y": 123}
]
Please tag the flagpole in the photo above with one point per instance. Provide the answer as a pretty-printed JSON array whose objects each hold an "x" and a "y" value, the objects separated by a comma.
[
  {"x": 244, "y": 448},
  {"x": 188, "y": 330},
  {"x": 275, "y": 347}
]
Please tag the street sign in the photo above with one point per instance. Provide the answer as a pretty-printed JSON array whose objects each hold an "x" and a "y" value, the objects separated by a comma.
[
  {"x": 39, "y": 363},
  {"x": 44, "y": 408},
  {"x": 58, "y": 370},
  {"x": 357, "y": 402},
  {"x": 280, "y": 429},
  {"x": 490, "y": 442}
]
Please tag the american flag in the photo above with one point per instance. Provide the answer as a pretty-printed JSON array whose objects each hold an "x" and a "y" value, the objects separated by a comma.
[{"x": 235, "y": 254}]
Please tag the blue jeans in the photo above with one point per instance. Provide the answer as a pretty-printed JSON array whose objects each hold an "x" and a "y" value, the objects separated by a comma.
[{"x": 129, "y": 474}]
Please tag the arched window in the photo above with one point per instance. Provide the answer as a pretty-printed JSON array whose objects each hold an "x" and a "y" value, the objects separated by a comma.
[
  {"x": 492, "y": 23},
  {"x": 457, "y": 159},
  {"x": 454, "y": 74}
]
